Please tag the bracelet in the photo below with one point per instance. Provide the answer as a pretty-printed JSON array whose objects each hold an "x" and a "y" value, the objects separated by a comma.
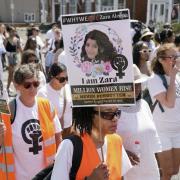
[{"x": 86, "y": 178}]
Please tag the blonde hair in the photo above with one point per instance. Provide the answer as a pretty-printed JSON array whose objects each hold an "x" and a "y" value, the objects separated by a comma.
[{"x": 161, "y": 52}]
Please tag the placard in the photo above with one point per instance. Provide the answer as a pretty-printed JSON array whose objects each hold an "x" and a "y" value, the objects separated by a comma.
[{"x": 99, "y": 57}]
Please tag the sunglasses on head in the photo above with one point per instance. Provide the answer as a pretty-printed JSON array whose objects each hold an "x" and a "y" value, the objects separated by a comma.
[
  {"x": 62, "y": 79},
  {"x": 145, "y": 51},
  {"x": 28, "y": 85},
  {"x": 109, "y": 115}
]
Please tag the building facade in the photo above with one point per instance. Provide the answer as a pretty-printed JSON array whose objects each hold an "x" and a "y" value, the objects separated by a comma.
[
  {"x": 80, "y": 6},
  {"x": 42, "y": 11},
  {"x": 20, "y": 11},
  {"x": 158, "y": 11}
]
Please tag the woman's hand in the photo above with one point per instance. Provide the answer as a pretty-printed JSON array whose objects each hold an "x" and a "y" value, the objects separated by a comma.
[
  {"x": 2, "y": 132},
  {"x": 133, "y": 158},
  {"x": 101, "y": 172},
  {"x": 175, "y": 70}
]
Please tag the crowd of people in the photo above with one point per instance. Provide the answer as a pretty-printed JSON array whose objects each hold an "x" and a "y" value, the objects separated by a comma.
[{"x": 138, "y": 142}]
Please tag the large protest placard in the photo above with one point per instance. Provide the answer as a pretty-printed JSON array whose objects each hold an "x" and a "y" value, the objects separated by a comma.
[{"x": 99, "y": 57}]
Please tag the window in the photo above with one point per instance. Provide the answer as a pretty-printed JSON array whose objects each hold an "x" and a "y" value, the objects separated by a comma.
[
  {"x": 72, "y": 7},
  {"x": 63, "y": 7},
  {"x": 107, "y": 3},
  {"x": 151, "y": 8},
  {"x": 29, "y": 17},
  {"x": 88, "y": 6},
  {"x": 161, "y": 9},
  {"x": 155, "y": 12},
  {"x": 121, "y": 4}
]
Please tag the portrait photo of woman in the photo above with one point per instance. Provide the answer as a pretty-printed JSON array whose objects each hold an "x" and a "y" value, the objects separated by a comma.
[{"x": 97, "y": 47}]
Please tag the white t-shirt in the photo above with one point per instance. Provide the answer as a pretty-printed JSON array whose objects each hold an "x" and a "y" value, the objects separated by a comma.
[
  {"x": 167, "y": 122},
  {"x": 27, "y": 141},
  {"x": 39, "y": 41},
  {"x": 42, "y": 79},
  {"x": 63, "y": 160},
  {"x": 136, "y": 124},
  {"x": 57, "y": 99},
  {"x": 62, "y": 58},
  {"x": 50, "y": 34}
]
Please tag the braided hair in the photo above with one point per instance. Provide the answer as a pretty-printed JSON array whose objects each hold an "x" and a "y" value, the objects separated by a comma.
[
  {"x": 83, "y": 119},
  {"x": 1, "y": 88}
]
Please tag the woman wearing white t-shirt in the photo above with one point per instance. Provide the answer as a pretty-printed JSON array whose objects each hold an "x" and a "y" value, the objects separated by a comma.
[
  {"x": 35, "y": 127},
  {"x": 137, "y": 128},
  {"x": 58, "y": 93},
  {"x": 164, "y": 86}
]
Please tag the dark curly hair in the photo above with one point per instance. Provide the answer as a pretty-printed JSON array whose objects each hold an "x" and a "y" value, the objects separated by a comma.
[
  {"x": 83, "y": 119},
  {"x": 106, "y": 51},
  {"x": 56, "y": 69},
  {"x": 166, "y": 35}
]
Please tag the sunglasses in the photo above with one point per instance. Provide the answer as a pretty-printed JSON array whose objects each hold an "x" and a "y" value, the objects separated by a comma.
[
  {"x": 109, "y": 115},
  {"x": 62, "y": 79},
  {"x": 28, "y": 85},
  {"x": 170, "y": 57},
  {"x": 146, "y": 51}
]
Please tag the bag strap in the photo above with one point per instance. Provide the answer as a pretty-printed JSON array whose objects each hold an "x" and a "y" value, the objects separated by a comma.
[
  {"x": 154, "y": 105},
  {"x": 12, "y": 107},
  {"x": 64, "y": 107},
  {"x": 50, "y": 48},
  {"x": 77, "y": 155},
  {"x": 46, "y": 173},
  {"x": 157, "y": 102}
]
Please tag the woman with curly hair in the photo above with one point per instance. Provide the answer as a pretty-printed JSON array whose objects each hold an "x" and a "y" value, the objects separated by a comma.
[{"x": 96, "y": 127}]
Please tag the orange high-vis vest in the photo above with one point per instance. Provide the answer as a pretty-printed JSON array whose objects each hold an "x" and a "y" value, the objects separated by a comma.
[
  {"x": 90, "y": 158},
  {"x": 46, "y": 116}
]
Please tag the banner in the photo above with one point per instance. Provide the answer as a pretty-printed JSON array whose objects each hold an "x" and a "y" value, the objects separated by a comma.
[{"x": 99, "y": 57}]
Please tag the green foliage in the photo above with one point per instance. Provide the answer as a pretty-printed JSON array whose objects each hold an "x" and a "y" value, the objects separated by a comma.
[{"x": 176, "y": 28}]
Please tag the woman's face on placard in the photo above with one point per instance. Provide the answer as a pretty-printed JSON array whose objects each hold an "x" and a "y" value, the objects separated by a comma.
[{"x": 91, "y": 48}]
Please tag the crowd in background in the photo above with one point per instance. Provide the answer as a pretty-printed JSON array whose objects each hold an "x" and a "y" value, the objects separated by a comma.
[{"x": 44, "y": 113}]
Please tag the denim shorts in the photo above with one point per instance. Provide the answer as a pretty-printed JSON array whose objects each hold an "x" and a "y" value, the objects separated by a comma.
[{"x": 12, "y": 59}]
